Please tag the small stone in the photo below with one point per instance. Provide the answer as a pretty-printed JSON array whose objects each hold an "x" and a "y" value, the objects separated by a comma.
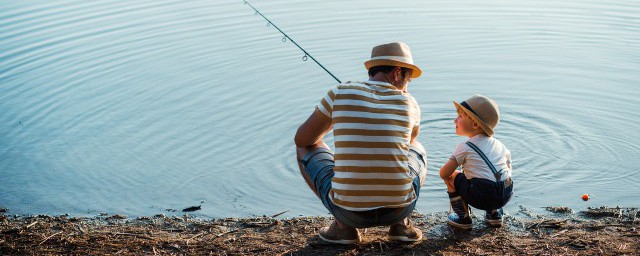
[{"x": 117, "y": 217}]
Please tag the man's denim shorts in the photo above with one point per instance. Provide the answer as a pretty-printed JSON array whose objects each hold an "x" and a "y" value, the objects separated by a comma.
[{"x": 319, "y": 166}]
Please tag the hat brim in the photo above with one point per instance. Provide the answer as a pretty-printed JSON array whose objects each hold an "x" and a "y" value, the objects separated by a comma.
[
  {"x": 475, "y": 118},
  {"x": 417, "y": 72}
]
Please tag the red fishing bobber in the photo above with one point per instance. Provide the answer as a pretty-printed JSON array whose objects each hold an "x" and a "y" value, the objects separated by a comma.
[{"x": 585, "y": 197}]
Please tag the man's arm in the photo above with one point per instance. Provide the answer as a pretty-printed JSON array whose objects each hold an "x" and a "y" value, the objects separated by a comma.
[{"x": 310, "y": 133}]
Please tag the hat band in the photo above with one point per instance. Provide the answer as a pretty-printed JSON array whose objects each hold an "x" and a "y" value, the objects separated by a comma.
[
  {"x": 465, "y": 105},
  {"x": 396, "y": 58}
]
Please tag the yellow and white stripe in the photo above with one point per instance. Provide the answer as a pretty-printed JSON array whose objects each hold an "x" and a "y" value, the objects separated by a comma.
[{"x": 372, "y": 125}]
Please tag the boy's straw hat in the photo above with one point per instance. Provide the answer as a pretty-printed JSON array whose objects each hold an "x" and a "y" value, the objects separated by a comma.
[
  {"x": 482, "y": 110},
  {"x": 393, "y": 54}
]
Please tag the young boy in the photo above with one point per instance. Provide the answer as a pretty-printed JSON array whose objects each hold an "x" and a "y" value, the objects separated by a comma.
[{"x": 485, "y": 180}]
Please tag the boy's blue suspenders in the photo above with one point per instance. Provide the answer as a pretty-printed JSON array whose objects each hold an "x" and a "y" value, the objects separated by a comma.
[
  {"x": 497, "y": 174},
  {"x": 504, "y": 189}
]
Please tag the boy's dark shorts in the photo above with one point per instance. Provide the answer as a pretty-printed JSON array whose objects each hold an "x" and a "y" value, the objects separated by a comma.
[
  {"x": 319, "y": 167},
  {"x": 482, "y": 193}
]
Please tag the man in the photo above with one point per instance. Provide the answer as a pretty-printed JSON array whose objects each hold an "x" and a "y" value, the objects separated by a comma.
[{"x": 375, "y": 175}]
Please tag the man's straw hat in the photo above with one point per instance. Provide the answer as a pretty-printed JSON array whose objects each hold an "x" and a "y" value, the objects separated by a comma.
[
  {"x": 393, "y": 54},
  {"x": 482, "y": 110}
]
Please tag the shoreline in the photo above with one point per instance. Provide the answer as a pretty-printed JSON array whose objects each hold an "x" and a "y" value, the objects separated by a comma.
[{"x": 603, "y": 231}]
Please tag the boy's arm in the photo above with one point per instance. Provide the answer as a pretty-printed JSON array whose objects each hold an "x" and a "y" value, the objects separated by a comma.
[{"x": 448, "y": 168}]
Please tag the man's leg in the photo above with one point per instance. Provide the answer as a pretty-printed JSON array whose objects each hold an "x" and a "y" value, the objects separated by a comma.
[
  {"x": 403, "y": 230},
  {"x": 337, "y": 232},
  {"x": 301, "y": 152},
  {"x": 422, "y": 172}
]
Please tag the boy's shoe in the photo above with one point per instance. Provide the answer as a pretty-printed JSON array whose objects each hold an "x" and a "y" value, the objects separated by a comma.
[
  {"x": 339, "y": 235},
  {"x": 494, "y": 218},
  {"x": 404, "y": 232},
  {"x": 464, "y": 223},
  {"x": 460, "y": 218}
]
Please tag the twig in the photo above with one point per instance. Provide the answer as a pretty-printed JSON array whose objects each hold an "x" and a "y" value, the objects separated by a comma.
[
  {"x": 33, "y": 223},
  {"x": 173, "y": 230},
  {"x": 49, "y": 237},
  {"x": 134, "y": 235},
  {"x": 257, "y": 224},
  {"x": 81, "y": 229},
  {"x": 558, "y": 233},
  {"x": 285, "y": 252},
  {"x": 548, "y": 224},
  {"x": 224, "y": 233},
  {"x": 276, "y": 215},
  {"x": 196, "y": 236}
]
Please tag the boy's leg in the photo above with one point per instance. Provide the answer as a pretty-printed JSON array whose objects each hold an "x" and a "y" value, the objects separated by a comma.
[
  {"x": 337, "y": 232},
  {"x": 461, "y": 217},
  {"x": 450, "y": 181},
  {"x": 494, "y": 218}
]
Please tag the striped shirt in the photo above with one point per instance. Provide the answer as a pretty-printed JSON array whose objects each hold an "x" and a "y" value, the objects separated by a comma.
[{"x": 372, "y": 125}]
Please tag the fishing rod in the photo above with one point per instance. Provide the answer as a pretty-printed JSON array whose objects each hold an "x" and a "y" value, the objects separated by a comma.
[{"x": 304, "y": 58}]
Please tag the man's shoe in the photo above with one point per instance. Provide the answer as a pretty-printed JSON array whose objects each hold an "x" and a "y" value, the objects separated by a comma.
[
  {"x": 337, "y": 235},
  {"x": 463, "y": 223},
  {"x": 494, "y": 218},
  {"x": 404, "y": 233}
]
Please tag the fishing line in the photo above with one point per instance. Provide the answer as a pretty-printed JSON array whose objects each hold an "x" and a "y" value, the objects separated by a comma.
[{"x": 284, "y": 39}]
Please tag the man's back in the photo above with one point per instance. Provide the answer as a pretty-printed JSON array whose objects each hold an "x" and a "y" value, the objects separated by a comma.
[{"x": 372, "y": 126}]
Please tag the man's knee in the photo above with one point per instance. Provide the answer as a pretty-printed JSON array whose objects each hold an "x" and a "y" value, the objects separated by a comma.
[
  {"x": 301, "y": 152},
  {"x": 419, "y": 147}
]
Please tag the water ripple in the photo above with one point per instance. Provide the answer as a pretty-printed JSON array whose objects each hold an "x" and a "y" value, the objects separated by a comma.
[{"x": 140, "y": 106}]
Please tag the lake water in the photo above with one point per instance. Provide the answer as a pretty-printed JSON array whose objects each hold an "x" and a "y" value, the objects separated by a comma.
[{"x": 135, "y": 107}]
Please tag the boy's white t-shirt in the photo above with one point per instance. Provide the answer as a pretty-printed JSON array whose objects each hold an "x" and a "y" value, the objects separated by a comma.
[{"x": 474, "y": 166}]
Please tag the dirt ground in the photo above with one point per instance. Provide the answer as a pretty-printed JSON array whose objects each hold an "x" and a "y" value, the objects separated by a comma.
[{"x": 559, "y": 231}]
